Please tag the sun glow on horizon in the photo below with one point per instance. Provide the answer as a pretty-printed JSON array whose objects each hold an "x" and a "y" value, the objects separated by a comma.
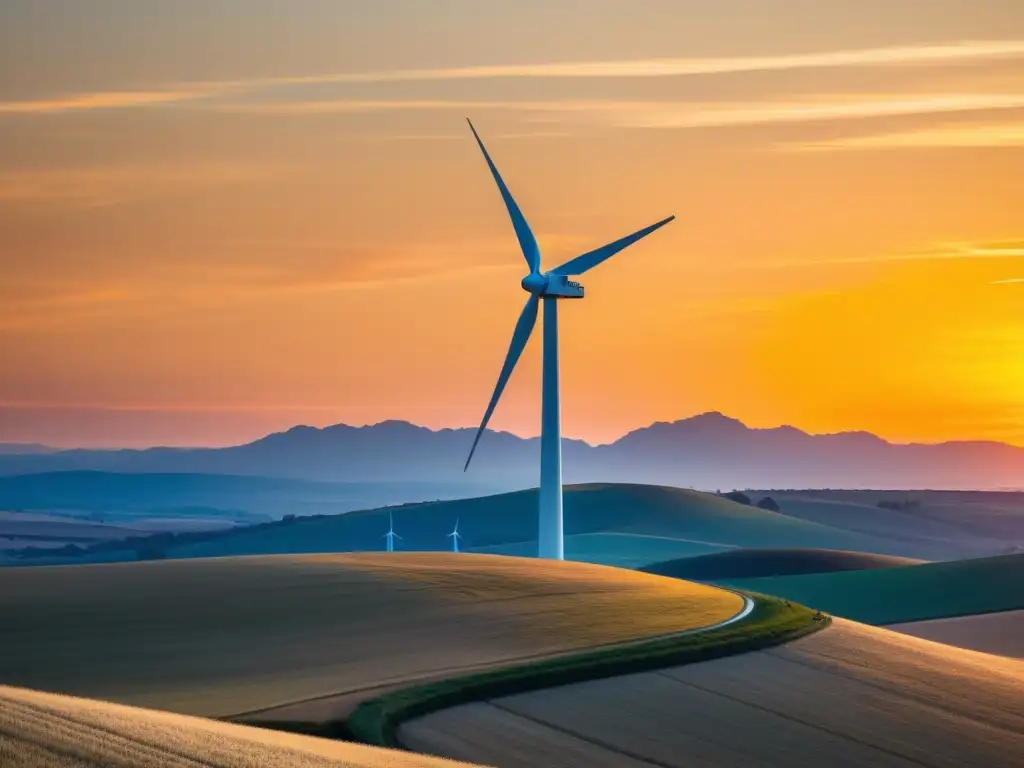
[{"x": 210, "y": 237}]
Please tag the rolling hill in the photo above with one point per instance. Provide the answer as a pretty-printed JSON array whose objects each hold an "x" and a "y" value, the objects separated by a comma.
[
  {"x": 41, "y": 730},
  {"x": 754, "y": 563},
  {"x": 999, "y": 633},
  {"x": 228, "y": 636},
  {"x": 620, "y": 524},
  {"x": 960, "y": 523},
  {"x": 912, "y": 593},
  {"x": 847, "y": 696},
  {"x": 127, "y": 497}
]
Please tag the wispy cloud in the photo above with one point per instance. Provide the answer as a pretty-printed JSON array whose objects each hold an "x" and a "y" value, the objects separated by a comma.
[
  {"x": 892, "y": 56},
  {"x": 821, "y": 108},
  {"x": 85, "y": 102},
  {"x": 1008, "y": 281},
  {"x": 951, "y": 137},
  {"x": 680, "y": 67},
  {"x": 103, "y": 186},
  {"x": 999, "y": 249},
  {"x": 667, "y": 114}
]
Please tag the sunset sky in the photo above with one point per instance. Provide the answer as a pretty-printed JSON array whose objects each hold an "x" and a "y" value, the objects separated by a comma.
[{"x": 221, "y": 218}]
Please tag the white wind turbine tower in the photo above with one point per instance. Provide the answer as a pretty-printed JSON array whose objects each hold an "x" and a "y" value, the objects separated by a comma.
[
  {"x": 549, "y": 286},
  {"x": 391, "y": 535},
  {"x": 455, "y": 536}
]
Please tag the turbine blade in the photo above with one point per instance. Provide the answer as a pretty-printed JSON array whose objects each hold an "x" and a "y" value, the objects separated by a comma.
[
  {"x": 521, "y": 335},
  {"x": 527, "y": 242},
  {"x": 589, "y": 260}
]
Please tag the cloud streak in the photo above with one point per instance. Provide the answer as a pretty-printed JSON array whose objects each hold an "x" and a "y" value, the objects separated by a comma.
[
  {"x": 660, "y": 114},
  {"x": 681, "y": 67},
  {"x": 106, "y": 100},
  {"x": 186, "y": 93},
  {"x": 102, "y": 186},
  {"x": 1008, "y": 249},
  {"x": 954, "y": 137}
]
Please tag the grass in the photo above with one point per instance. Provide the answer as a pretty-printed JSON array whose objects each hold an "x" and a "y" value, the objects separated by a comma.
[
  {"x": 225, "y": 636},
  {"x": 771, "y": 622},
  {"x": 757, "y": 563},
  {"x": 913, "y": 593}
]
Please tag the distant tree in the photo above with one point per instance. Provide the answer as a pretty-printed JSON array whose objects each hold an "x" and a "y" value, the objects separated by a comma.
[
  {"x": 288, "y": 519},
  {"x": 738, "y": 496},
  {"x": 770, "y": 504}
]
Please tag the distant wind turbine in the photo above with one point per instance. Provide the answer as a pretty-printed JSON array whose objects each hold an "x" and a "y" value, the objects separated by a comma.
[
  {"x": 391, "y": 535},
  {"x": 549, "y": 286},
  {"x": 455, "y": 536}
]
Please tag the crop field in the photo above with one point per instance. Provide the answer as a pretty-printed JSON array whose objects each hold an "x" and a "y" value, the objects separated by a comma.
[
  {"x": 848, "y": 696},
  {"x": 39, "y": 730},
  {"x": 227, "y": 636},
  {"x": 911, "y": 593},
  {"x": 999, "y": 633}
]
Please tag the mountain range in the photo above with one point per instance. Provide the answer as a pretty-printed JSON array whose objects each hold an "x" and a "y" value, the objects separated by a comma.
[{"x": 710, "y": 451}]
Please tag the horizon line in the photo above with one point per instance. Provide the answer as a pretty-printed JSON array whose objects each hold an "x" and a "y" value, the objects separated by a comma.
[{"x": 472, "y": 428}]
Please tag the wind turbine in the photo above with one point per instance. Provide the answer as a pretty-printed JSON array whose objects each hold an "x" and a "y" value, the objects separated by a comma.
[
  {"x": 455, "y": 536},
  {"x": 549, "y": 286},
  {"x": 391, "y": 535}
]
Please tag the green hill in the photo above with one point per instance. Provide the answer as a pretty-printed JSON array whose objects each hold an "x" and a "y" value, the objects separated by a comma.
[
  {"x": 624, "y": 550},
  {"x": 912, "y": 593},
  {"x": 638, "y": 524},
  {"x": 756, "y": 563},
  {"x": 945, "y": 525},
  {"x": 612, "y": 524}
]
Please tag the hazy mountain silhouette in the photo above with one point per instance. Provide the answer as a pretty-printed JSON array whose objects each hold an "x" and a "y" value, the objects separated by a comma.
[
  {"x": 707, "y": 451},
  {"x": 121, "y": 496},
  {"x": 21, "y": 449}
]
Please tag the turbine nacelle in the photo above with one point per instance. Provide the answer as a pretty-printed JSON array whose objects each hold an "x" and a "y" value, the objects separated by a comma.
[{"x": 555, "y": 286}]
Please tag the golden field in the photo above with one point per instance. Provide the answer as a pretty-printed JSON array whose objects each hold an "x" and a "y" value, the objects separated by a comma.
[
  {"x": 41, "y": 730},
  {"x": 1000, "y": 633},
  {"x": 848, "y": 696},
  {"x": 229, "y": 636}
]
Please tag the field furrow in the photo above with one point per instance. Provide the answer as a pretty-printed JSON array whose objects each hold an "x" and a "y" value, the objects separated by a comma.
[{"x": 848, "y": 696}]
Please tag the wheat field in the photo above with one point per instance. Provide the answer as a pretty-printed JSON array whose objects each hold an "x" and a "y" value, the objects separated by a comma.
[
  {"x": 227, "y": 636},
  {"x": 1000, "y": 633},
  {"x": 40, "y": 730},
  {"x": 848, "y": 696}
]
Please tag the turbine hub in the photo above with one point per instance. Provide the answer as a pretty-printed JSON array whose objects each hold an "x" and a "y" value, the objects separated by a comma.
[{"x": 535, "y": 283}]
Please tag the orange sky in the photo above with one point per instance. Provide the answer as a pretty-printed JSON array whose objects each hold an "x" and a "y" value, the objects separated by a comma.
[{"x": 219, "y": 219}]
